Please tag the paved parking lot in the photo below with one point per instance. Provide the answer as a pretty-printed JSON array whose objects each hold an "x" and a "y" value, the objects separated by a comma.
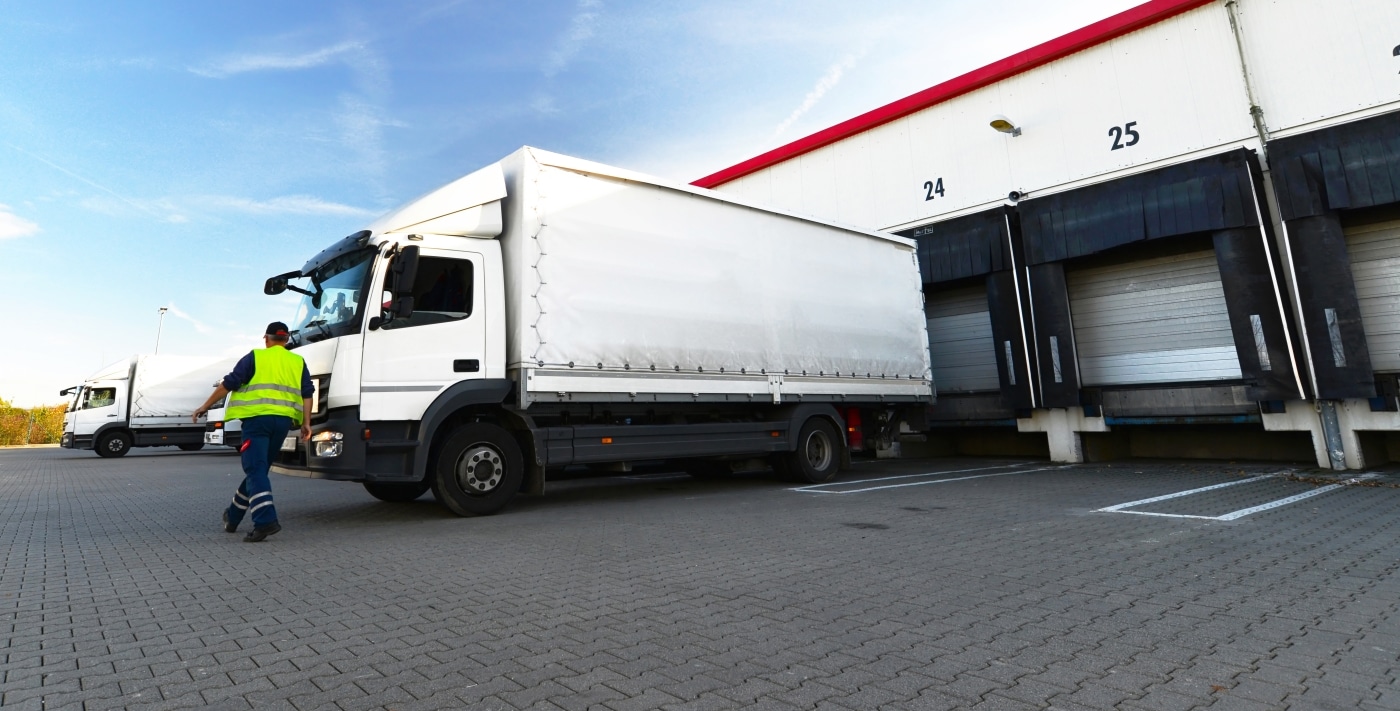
[{"x": 933, "y": 584}]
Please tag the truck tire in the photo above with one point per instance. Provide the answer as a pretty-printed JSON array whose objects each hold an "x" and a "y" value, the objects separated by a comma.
[
  {"x": 192, "y": 446},
  {"x": 818, "y": 454},
  {"x": 113, "y": 444},
  {"x": 396, "y": 491},
  {"x": 478, "y": 471}
]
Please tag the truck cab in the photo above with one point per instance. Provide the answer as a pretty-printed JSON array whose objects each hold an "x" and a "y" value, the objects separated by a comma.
[{"x": 94, "y": 407}]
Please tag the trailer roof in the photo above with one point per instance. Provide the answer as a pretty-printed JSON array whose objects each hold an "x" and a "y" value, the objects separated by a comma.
[
  {"x": 580, "y": 165},
  {"x": 1144, "y": 15}
]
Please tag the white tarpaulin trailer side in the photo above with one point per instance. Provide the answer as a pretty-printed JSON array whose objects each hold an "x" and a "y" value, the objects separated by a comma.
[
  {"x": 173, "y": 386},
  {"x": 620, "y": 283}
]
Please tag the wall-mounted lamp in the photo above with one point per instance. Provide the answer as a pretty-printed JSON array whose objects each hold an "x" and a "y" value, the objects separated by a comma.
[{"x": 1004, "y": 124}]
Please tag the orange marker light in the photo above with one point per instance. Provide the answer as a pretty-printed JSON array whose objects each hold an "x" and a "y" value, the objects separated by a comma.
[{"x": 607, "y": 440}]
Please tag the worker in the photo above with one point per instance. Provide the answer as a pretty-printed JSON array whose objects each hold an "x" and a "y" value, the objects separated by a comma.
[{"x": 263, "y": 391}]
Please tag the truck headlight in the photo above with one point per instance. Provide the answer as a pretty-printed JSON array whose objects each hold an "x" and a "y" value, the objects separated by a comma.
[{"x": 328, "y": 444}]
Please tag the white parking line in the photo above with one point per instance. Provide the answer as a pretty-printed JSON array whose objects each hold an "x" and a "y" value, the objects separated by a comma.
[
  {"x": 1155, "y": 499},
  {"x": 818, "y": 488},
  {"x": 1233, "y": 514}
]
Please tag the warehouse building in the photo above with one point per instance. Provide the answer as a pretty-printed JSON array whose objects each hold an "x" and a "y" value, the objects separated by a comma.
[{"x": 1173, "y": 232}]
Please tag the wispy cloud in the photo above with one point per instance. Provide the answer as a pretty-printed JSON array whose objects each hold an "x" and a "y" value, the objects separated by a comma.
[
  {"x": 827, "y": 83},
  {"x": 285, "y": 205},
  {"x": 178, "y": 209},
  {"x": 124, "y": 199},
  {"x": 199, "y": 326},
  {"x": 243, "y": 63},
  {"x": 12, "y": 225},
  {"x": 581, "y": 29}
]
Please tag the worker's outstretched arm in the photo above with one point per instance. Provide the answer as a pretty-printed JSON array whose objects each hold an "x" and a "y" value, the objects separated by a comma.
[{"x": 219, "y": 392}]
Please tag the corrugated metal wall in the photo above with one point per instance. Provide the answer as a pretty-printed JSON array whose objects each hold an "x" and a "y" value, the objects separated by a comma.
[
  {"x": 1152, "y": 321},
  {"x": 1375, "y": 265},
  {"x": 960, "y": 340}
]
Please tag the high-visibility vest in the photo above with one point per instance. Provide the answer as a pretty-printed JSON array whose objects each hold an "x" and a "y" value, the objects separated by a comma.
[{"x": 274, "y": 390}]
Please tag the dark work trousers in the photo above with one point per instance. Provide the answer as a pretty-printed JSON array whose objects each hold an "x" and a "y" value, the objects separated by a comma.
[{"x": 262, "y": 440}]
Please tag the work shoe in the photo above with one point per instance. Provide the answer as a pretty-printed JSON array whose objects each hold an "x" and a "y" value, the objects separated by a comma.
[
  {"x": 260, "y": 533},
  {"x": 228, "y": 526}
]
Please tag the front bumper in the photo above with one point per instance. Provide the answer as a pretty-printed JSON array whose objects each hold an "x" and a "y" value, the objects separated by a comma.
[{"x": 348, "y": 466}]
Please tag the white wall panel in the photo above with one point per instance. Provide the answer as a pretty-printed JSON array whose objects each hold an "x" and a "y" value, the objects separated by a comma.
[
  {"x": 1375, "y": 265},
  {"x": 819, "y": 185},
  {"x": 785, "y": 186},
  {"x": 961, "y": 348},
  {"x": 855, "y": 194},
  {"x": 953, "y": 143},
  {"x": 1158, "y": 320},
  {"x": 1316, "y": 59},
  {"x": 754, "y": 187},
  {"x": 1177, "y": 81}
]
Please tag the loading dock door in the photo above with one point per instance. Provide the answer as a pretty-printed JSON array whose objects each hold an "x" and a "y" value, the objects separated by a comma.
[
  {"x": 1159, "y": 320},
  {"x": 1375, "y": 265},
  {"x": 960, "y": 340}
]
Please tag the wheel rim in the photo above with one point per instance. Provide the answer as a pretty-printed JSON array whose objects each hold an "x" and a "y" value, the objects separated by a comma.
[
  {"x": 114, "y": 444},
  {"x": 818, "y": 450},
  {"x": 480, "y": 469}
]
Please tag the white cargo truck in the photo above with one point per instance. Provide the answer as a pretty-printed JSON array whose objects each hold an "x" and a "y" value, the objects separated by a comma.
[
  {"x": 547, "y": 311},
  {"x": 141, "y": 401}
]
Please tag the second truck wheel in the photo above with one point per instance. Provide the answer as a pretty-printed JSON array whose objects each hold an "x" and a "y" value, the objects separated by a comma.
[
  {"x": 818, "y": 454},
  {"x": 478, "y": 471}
]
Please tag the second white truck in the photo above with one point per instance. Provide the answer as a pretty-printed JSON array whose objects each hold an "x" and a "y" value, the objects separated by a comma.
[
  {"x": 547, "y": 311},
  {"x": 141, "y": 401}
]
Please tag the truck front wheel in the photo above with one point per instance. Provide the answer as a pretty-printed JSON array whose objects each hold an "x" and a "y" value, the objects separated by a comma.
[
  {"x": 818, "y": 454},
  {"x": 478, "y": 471},
  {"x": 113, "y": 444}
]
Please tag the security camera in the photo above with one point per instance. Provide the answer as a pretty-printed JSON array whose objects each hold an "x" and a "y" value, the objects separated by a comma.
[{"x": 1015, "y": 195}]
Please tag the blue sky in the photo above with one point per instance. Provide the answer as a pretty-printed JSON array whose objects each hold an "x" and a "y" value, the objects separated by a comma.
[{"x": 177, "y": 154}]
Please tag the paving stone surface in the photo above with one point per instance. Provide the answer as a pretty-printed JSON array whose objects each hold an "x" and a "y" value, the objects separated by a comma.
[{"x": 119, "y": 590}]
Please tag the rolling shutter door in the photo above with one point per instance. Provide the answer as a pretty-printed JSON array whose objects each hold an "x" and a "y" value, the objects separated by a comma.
[
  {"x": 1375, "y": 266},
  {"x": 1153, "y": 321},
  {"x": 960, "y": 340}
]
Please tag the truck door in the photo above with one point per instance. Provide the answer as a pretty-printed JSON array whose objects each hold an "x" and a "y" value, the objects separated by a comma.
[
  {"x": 409, "y": 361},
  {"x": 98, "y": 405}
]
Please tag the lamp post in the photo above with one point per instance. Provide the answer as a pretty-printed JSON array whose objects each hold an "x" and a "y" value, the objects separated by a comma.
[{"x": 163, "y": 309}]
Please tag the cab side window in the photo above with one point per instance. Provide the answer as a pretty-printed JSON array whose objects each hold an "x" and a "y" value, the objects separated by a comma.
[
  {"x": 99, "y": 397},
  {"x": 442, "y": 292}
]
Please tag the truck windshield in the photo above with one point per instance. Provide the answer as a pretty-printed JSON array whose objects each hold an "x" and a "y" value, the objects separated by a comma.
[{"x": 335, "y": 311}]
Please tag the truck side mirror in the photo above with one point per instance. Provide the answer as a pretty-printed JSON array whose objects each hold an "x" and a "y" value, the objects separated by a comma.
[
  {"x": 405, "y": 270},
  {"x": 403, "y": 307},
  {"x": 278, "y": 284}
]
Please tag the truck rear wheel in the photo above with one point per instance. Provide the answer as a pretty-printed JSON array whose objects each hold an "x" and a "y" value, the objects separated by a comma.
[
  {"x": 113, "y": 444},
  {"x": 478, "y": 471},
  {"x": 192, "y": 446},
  {"x": 818, "y": 454},
  {"x": 396, "y": 491}
]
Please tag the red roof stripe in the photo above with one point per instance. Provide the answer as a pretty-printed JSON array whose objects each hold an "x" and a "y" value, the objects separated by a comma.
[{"x": 1143, "y": 15}]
